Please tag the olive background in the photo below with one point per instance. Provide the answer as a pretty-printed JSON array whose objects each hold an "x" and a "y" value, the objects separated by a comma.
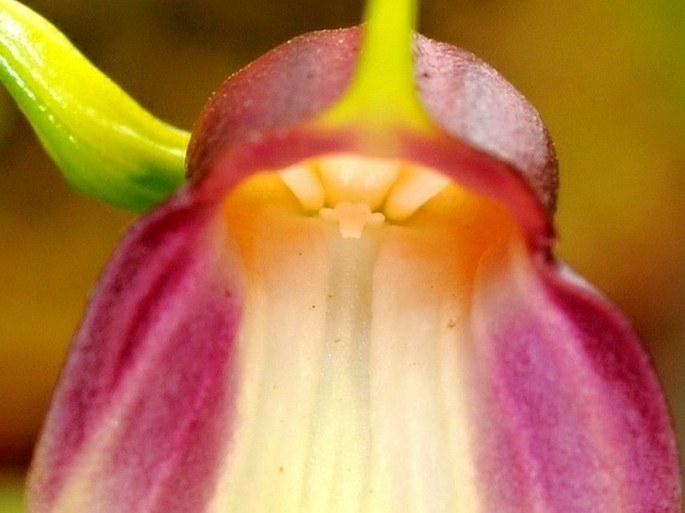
[{"x": 607, "y": 77}]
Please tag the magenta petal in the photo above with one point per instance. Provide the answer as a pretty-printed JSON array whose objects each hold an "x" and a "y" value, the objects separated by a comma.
[
  {"x": 151, "y": 366},
  {"x": 573, "y": 416}
]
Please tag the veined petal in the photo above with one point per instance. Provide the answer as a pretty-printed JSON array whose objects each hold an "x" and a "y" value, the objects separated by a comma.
[
  {"x": 571, "y": 411},
  {"x": 245, "y": 352},
  {"x": 142, "y": 411}
]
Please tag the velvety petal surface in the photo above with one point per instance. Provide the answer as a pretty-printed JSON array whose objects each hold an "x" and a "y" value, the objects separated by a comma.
[{"x": 464, "y": 96}]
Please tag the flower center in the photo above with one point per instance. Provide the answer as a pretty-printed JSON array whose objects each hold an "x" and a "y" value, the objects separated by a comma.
[
  {"x": 356, "y": 191},
  {"x": 355, "y": 387}
]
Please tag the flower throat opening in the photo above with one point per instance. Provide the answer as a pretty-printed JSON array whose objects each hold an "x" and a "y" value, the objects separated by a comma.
[
  {"x": 358, "y": 191},
  {"x": 354, "y": 392}
]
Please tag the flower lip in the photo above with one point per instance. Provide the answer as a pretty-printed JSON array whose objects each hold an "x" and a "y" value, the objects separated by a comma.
[{"x": 487, "y": 137}]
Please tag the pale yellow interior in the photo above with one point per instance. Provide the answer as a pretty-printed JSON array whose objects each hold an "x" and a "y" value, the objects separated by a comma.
[{"x": 355, "y": 381}]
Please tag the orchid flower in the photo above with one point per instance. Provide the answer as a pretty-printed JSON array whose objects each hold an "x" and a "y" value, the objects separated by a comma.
[{"x": 350, "y": 304}]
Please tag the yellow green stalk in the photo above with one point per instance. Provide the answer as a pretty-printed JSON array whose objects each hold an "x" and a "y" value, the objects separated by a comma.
[
  {"x": 104, "y": 143},
  {"x": 382, "y": 92}
]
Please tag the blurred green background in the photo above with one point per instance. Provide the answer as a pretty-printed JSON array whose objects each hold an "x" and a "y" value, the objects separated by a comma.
[{"x": 608, "y": 78}]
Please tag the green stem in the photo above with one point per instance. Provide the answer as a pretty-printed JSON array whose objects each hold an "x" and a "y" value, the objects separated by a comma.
[
  {"x": 105, "y": 144},
  {"x": 382, "y": 90}
]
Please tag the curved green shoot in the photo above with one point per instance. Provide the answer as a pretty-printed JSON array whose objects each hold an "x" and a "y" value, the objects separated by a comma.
[
  {"x": 382, "y": 91},
  {"x": 105, "y": 144}
]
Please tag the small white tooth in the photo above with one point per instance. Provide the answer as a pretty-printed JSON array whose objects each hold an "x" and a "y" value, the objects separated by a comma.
[
  {"x": 357, "y": 180},
  {"x": 305, "y": 185},
  {"x": 414, "y": 187},
  {"x": 352, "y": 218},
  {"x": 382, "y": 185}
]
